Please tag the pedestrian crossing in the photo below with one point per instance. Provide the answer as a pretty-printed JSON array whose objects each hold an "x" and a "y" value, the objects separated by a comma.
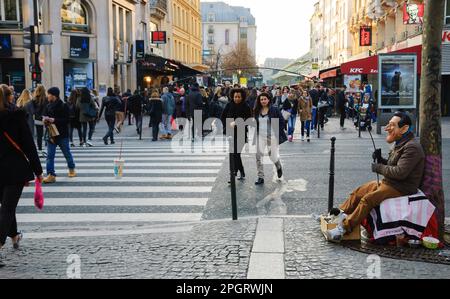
[{"x": 160, "y": 185}]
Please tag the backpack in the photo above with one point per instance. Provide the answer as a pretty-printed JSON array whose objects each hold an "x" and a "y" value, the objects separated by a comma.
[{"x": 88, "y": 110}]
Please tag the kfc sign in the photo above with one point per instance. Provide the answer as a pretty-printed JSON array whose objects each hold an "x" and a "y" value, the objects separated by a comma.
[
  {"x": 413, "y": 14},
  {"x": 446, "y": 37},
  {"x": 356, "y": 71},
  {"x": 365, "y": 36},
  {"x": 362, "y": 71}
]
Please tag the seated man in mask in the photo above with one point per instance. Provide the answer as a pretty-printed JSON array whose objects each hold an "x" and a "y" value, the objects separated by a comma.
[{"x": 403, "y": 173}]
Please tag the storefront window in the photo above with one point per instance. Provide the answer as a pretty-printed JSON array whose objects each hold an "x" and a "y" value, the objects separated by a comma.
[
  {"x": 78, "y": 75},
  {"x": 447, "y": 12},
  {"x": 74, "y": 16},
  {"x": 10, "y": 13}
]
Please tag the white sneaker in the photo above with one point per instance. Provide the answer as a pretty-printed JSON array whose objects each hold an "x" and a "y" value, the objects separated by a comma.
[
  {"x": 336, "y": 235},
  {"x": 303, "y": 138},
  {"x": 89, "y": 143}
]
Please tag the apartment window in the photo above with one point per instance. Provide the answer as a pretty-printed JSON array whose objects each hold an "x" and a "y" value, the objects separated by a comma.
[
  {"x": 243, "y": 33},
  {"x": 211, "y": 17},
  {"x": 227, "y": 37},
  {"x": 74, "y": 16},
  {"x": 11, "y": 14}
]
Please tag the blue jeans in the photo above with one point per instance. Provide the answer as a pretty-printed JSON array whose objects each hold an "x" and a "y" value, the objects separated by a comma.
[
  {"x": 167, "y": 124},
  {"x": 314, "y": 118},
  {"x": 63, "y": 144},
  {"x": 111, "y": 121},
  {"x": 291, "y": 124}
]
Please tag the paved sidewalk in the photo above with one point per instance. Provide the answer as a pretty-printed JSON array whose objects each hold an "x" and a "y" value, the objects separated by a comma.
[{"x": 210, "y": 250}]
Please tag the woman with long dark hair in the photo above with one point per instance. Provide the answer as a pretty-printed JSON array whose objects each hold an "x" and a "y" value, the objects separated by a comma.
[
  {"x": 74, "y": 116},
  {"x": 88, "y": 114},
  {"x": 39, "y": 105},
  {"x": 269, "y": 134},
  {"x": 237, "y": 109},
  {"x": 110, "y": 104},
  {"x": 19, "y": 162}
]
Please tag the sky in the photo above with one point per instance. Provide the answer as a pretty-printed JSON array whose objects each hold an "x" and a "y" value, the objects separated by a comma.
[{"x": 283, "y": 27}]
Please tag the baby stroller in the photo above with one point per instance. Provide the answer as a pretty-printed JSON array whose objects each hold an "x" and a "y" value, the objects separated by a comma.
[{"x": 364, "y": 120}]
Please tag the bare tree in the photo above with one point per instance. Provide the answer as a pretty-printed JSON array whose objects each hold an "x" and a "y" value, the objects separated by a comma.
[
  {"x": 430, "y": 106},
  {"x": 240, "y": 58}
]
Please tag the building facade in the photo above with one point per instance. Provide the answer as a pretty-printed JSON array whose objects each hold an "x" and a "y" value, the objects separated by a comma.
[
  {"x": 187, "y": 32},
  {"x": 101, "y": 43},
  {"x": 389, "y": 35},
  {"x": 225, "y": 27},
  {"x": 331, "y": 40}
]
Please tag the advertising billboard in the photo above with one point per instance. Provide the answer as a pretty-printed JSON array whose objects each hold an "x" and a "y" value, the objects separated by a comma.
[
  {"x": 353, "y": 83},
  {"x": 397, "y": 81}
]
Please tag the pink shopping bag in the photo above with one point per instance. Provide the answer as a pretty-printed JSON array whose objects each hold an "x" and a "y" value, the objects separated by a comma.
[{"x": 38, "y": 195}]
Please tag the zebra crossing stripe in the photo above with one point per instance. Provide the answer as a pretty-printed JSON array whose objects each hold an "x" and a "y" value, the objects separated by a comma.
[
  {"x": 149, "y": 171},
  {"x": 82, "y": 165},
  {"x": 89, "y": 158},
  {"x": 121, "y": 189},
  {"x": 111, "y": 179},
  {"x": 117, "y": 202},
  {"x": 105, "y": 217}
]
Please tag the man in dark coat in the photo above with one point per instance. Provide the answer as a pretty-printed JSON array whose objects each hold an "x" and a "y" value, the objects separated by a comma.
[
  {"x": 195, "y": 102},
  {"x": 57, "y": 114},
  {"x": 341, "y": 101},
  {"x": 315, "y": 95}
]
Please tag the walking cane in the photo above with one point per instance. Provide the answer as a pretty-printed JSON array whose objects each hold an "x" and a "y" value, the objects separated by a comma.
[{"x": 375, "y": 147}]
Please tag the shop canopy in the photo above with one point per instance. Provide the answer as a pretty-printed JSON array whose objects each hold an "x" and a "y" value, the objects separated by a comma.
[
  {"x": 369, "y": 65},
  {"x": 330, "y": 73},
  {"x": 161, "y": 66}
]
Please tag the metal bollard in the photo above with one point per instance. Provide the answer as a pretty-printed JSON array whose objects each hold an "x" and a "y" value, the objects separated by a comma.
[
  {"x": 331, "y": 183},
  {"x": 233, "y": 149}
]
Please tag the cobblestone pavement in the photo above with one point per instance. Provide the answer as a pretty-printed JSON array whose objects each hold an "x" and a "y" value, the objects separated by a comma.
[
  {"x": 211, "y": 250},
  {"x": 215, "y": 250},
  {"x": 309, "y": 256}
]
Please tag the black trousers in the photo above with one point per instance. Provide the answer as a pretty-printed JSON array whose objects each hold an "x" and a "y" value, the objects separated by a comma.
[
  {"x": 155, "y": 130},
  {"x": 322, "y": 115},
  {"x": 9, "y": 198},
  {"x": 40, "y": 136},
  {"x": 343, "y": 116},
  {"x": 71, "y": 128},
  {"x": 306, "y": 125},
  {"x": 111, "y": 121}
]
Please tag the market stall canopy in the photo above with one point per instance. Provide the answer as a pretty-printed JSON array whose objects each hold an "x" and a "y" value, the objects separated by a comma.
[{"x": 369, "y": 65}]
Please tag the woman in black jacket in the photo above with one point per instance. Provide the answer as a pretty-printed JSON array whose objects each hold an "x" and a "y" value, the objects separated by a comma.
[
  {"x": 237, "y": 109},
  {"x": 156, "y": 113},
  {"x": 110, "y": 104},
  {"x": 19, "y": 162}
]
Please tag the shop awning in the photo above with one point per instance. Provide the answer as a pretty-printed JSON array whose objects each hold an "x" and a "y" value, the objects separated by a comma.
[
  {"x": 369, "y": 65},
  {"x": 163, "y": 66},
  {"x": 329, "y": 74}
]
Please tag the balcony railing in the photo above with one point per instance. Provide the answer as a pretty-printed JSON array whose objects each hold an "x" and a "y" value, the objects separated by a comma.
[
  {"x": 161, "y": 4},
  {"x": 158, "y": 8}
]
